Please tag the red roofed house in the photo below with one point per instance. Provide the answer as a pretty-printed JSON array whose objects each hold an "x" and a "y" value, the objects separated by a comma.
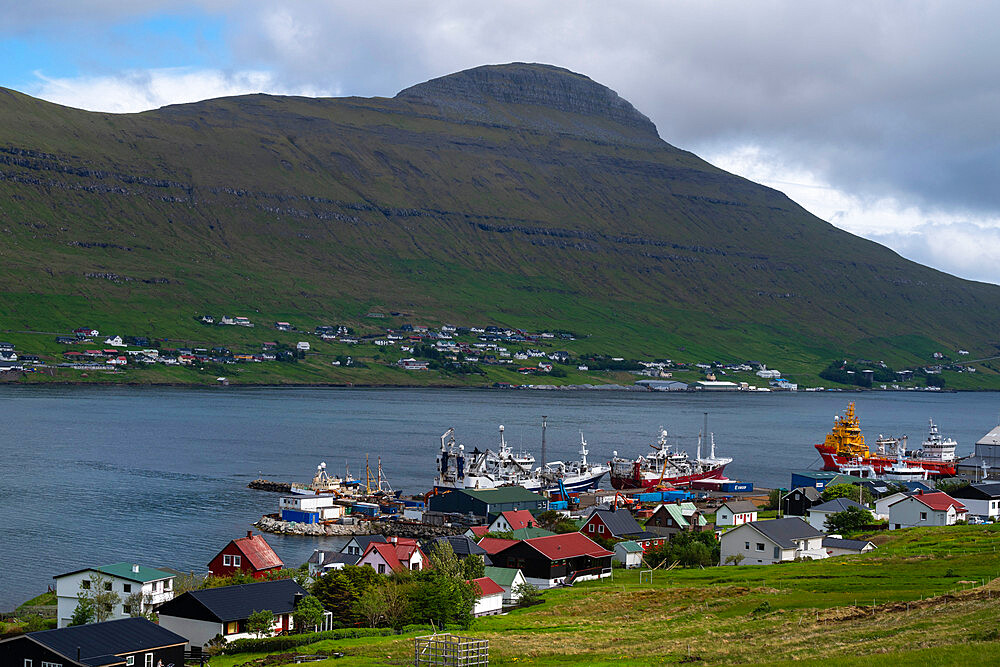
[
  {"x": 494, "y": 545},
  {"x": 509, "y": 521},
  {"x": 925, "y": 509},
  {"x": 555, "y": 559},
  {"x": 490, "y": 600},
  {"x": 251, "y": 555},
  {"x": 396, "y": 555},
  {"x": 473, "y": 533}
]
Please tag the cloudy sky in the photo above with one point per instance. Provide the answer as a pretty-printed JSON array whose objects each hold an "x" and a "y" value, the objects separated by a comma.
[{"x": 882, "y": 118}]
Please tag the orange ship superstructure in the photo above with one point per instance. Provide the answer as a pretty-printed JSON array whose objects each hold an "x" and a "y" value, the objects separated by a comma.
[{"x": 845, "y": 446}]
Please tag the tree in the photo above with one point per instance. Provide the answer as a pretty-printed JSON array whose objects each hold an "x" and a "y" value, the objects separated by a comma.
[
  {"x": 849, "y": 491},
  {"x": 953, "y": 484},
  {"x": 526, "y": 594},
  {"x": 850, "y": 520},
  {"x": 84, "y": 612},
  {"x": 473, "y": 567},
  {"x": 339, "y": 590},
  {"x": 139, "y": 605},
  {"x": 556, "y": 522},
  {"x": 371, "y": 607},
  {"x": 688, "y": 549},
  {"x": 773, "y": 499},
  {"x": 442, "y": 599},
  {"x": 102, "y": 598},
  {"x": 308, "y": 613},
  {"x": 261, "y": 622},
  {"x": 443, "y": 560},
  {"x": 735, "y": 559}
]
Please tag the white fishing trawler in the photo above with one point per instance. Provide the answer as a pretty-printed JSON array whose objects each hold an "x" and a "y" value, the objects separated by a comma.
[
  {"x": 667, "y": 465},
  {"x": 459, "y": 469}
]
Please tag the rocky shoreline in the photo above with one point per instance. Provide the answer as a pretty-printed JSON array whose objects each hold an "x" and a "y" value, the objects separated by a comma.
[{"x": 269, "y": 524}]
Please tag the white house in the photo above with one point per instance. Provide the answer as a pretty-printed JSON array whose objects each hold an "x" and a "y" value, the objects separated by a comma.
[
  {"x": 509, "y": 579},
  {"x": 302, "y": 346},
  {"x": 882, "y": 504},
  {"x": 980, "y": 499},
  {"x": 628, "y": 553},
  {"x": 768, "y": 374},
  {"x": 490, "y": 601},
  {"x": 202, "y": 614},
  {"x": 925, "y": 509},
  {"x": 736, "y": 512},
  {"x": 512, "y": 520},
  {"x": 399, "y": 553},
  {"x": 835, "y": 545},
  {"x": 818, "y": 514},
  {"x": 114, "y": 341},
  {"x": 769, "y": 542},
  {"x": 134, "y": 584}
]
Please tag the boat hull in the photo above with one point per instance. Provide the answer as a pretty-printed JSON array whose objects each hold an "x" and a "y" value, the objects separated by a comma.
[
  {"x": 572, "y": 484},
  {"x": 647, "y": 480},
  {"x": 834, "y": 462}
]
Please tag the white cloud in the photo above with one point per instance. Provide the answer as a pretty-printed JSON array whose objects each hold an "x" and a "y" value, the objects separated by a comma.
[{"x": 133, "y": 91}]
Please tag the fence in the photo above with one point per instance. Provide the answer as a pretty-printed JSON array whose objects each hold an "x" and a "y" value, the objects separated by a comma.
[{"x": 450, "y": 650}]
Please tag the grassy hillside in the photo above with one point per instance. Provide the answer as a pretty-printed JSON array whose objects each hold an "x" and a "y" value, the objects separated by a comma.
[
  {"x": 919, "y": 599},
  {"x": 522, "y": 195}
]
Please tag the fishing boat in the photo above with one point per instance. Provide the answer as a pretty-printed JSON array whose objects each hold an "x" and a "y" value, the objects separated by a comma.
[
  {"x": 322, "y": 482},
  {"x": 845, "y": 445},
  {"x": 667, "y": 465},
  {"x": 459, "y": 469}
]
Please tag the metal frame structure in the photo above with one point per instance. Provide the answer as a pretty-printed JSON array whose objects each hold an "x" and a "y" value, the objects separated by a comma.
[{"x": 448, "y": 650}]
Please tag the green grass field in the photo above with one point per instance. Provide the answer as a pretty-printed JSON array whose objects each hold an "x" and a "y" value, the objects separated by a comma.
[{"x": 925, "y": 597}]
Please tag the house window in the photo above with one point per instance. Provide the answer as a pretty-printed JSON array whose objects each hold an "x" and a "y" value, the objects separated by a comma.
[
  {"x": 381, "y": 568},
  {"x": 168, "y": 585},
  {"x": 85, "y": 584},
  {"x": 760, "y": 546},
  {"x": 227, "y": 560},
  {"x": 27, "y": 662},
  {"x": 923, "y": 516},
  {"x": 236, "y": 561},
  {"x": 232, "y": 628},
  {"x": 149, "y": 660},
  {"x": 127, "y": 609},
  {"x": 107, "y": 585},
  {"x": 416, "y": 566},
  {"x": 600, "y": 529},
  {"x": 129, "y": 660},
  {"x": 746, "y": 545},
  {"x": 127, "y": 588}
]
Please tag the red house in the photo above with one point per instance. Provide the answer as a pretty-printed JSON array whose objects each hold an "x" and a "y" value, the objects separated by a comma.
[
  {"x": 620, "y": 525},
  {"x": 251, "y": 555}
]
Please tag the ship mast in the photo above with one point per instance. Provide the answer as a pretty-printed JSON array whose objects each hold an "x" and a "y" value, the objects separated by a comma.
[{"x": 543, "y": 439}]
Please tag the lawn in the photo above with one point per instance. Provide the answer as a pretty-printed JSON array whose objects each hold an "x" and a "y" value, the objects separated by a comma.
[{"x": 918, "y": 599}]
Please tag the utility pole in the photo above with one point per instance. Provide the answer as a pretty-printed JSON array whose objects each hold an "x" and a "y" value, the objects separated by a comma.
[{"x": 543, "y": 439}]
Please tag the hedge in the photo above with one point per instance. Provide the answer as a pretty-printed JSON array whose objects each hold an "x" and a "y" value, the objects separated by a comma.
[{"x": 271, "y": 644}]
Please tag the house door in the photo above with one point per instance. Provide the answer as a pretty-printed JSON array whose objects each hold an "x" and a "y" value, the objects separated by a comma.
[{"x": 284, "y": 622}]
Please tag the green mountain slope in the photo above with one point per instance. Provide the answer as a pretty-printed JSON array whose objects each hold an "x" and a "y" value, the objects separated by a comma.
[{"x": 518, "y": 194}]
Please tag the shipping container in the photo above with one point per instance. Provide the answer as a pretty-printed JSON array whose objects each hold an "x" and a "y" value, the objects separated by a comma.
[
  {"x": 558, "y": 505},
  {"x": 298, "y": 516}
]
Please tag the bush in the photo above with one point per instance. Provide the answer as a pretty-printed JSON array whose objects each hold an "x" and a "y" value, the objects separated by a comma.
[{"x": 273, "y": 644}]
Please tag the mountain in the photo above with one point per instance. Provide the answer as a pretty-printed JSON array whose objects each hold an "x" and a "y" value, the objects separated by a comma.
[{"x": 520, "y": 194}]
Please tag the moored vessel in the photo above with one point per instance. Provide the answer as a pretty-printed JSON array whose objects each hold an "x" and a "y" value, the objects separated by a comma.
[
  {"x": 845, "y": 446},
  {"x": 667, "y": 465}
]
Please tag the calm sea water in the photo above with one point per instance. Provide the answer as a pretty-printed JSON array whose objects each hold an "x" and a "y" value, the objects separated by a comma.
[{"x": 158, "y": 475}]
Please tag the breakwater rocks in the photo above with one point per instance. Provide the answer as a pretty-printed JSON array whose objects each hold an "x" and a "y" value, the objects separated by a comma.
[
  {"x": 269, "y": 524},
  {"x": 267, "y": 485}
]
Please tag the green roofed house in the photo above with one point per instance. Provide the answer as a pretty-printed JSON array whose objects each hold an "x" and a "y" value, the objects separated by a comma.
[
  {"x": 139, "y": 588},
  {"x": 528, "y": 532},
  {"x": 487, "y": 502},
  {"x": 509, "y": 579},
  {"x": 628, "y": 553},
  {"x": 671, "y": 518}
]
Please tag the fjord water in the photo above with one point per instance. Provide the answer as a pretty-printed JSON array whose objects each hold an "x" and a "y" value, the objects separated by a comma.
[{"x": 158, "y": 476}]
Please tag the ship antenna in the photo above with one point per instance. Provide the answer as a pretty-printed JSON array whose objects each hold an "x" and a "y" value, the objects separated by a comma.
[
  {"x": 712, "y": 436},
  {"x": 698, "y": 453},
  {"x": 543, "y": 439}
]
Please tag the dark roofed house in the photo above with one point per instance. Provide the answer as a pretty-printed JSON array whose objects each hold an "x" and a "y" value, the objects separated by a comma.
[
  {"x": 125, "y": 642},
  {"x": 487, "y": 502},
  {"x": 735, "y": 512},
  {"x": 359, "y": 543},
  {"x": 321, "y": 561},
  {"x": 201, "y": 615},
  {"x": 798, "y": 501},
  {"x": 982, "y": 499},
  {"x": 837, "y": 546},
  {"x": 620, "y": 525},
  {"x": 251, "y": 555},
  {"x": 768, "y": 542},
  {"x": 461, "y": 545},
  {"x": 818, "y": 514}
]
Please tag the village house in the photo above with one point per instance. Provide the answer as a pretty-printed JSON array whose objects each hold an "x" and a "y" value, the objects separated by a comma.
[
  {"x": 798, "y": 501},
  {"x": 509, "y": 579},
  {"x": 925, "y": 509},
  {"x": 735, "y": 512},
  {"x": 283, "y": 326},
  {"x": 302, "y": 346},
  {"x": 123, "y": 642},
  {"x": 487, "y": 503},
  {"x": 818, "y": 514},
  {"x": 629, "y": 554},
  {"x": 200, "y": 615},
  {"x": 508, "y": 521},
  {"x": 981, "y": 499},
  {"x": 135, "y": 585},
  {"x": 769, "y": 542},
  {"x": 557, "y": 559},
  {"x": 396, "y": 555},
  {"x": 620, "y": 525},
  {"x": 669, "y": 519},
  {"x": 835, "y": 545},
  {"x": 461, "y": 546},
  {"x": 412, "y": 364},
  {"x": 115, "y": 341},
  {"x": 251, "y": 555},
  {"x": 490, "y": 600}
]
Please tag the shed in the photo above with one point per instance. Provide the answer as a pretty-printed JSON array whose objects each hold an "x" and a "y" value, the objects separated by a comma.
[{"x": 629, "y": 554}]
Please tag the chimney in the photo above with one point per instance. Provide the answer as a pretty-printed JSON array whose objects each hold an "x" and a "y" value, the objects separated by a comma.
[
  {"x": 78, "y": 654},
  {"x": 135, "y": 568},
  {"x": 249, "y": 534},
  {"x": 298, "y": 598},
  {"x": 920, "y": 492}
]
